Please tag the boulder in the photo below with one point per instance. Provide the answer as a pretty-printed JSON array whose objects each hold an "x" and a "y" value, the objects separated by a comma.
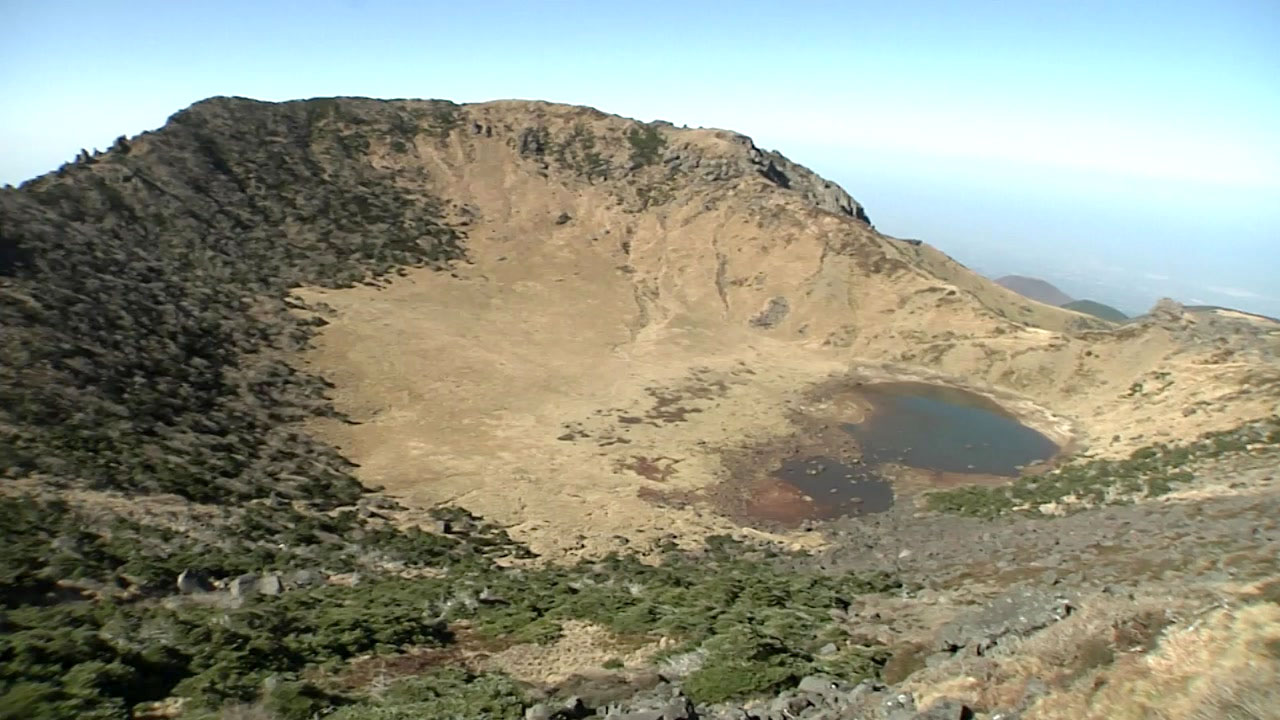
[
  {"x": 821, "y": 685},
  {"x": 271, "y": 584},
  {"x": 658, "y": 706},
  {"x": 244, "y": 586},
  {"x": 305, "y": 578},
  {"x": 193, "y": 581}
]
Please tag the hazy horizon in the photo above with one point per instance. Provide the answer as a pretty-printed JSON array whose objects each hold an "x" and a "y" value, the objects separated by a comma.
[{"x": 1122, "y": 153}]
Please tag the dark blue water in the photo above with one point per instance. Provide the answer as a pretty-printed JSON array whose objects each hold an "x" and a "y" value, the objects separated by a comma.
[
  {"x": 944, "y": 429},
  {"x": 837, "y": 488}
]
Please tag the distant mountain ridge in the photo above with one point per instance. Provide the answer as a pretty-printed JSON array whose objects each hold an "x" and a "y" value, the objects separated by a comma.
[
  {"x": 1036, "y": 289},
  {"x": 1097, "y": 309},
  {"x": 1047, "y": 293}
]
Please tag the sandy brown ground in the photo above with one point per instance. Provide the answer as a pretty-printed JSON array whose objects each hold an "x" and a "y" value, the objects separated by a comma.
[{"x": 591, "y": 351}]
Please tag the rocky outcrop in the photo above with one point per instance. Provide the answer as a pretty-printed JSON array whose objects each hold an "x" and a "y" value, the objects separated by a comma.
[
  {"x": 1016, "y": 614},
  {"x": 1167, "y": 310},
  {"x": 823, "y": 193},
  {"x": 817, "y": 697}
]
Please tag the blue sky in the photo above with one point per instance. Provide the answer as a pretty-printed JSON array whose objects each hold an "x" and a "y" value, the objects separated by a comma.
[{"x": 1122, "y": 150}]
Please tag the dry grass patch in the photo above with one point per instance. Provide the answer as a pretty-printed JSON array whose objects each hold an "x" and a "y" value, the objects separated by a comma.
[
  {"x": 582, "y": 647},
  {"x": 1224, "y": 666},
  {"x": 1078, "y": 652}
]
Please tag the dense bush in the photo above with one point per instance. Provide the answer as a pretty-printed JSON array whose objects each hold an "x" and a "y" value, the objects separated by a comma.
[
  {"x": 444, "y": 693},
  {"x": 144, "y": 320},
  {"x": 647, "y": 143}
]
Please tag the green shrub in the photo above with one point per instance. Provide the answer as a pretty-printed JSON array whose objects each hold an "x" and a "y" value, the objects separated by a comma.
[
  {"x": 444, "y": 693},
  {"x": 647, "y": 144},
  {"x": 741, "y": 665}
]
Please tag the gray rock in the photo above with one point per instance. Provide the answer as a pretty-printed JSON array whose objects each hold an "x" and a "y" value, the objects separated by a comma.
[
  {"x": 823, "y": 193},
  {"x": 381, "y": 502},
  {"x": 541, "y": 711},
  {"x": 900, "y": 706},
  {"x": 304, "y": 578},
  {"x": 904, "y": 700},
  {"x": 1016, "y": 613},
  {"x": 1167, "y": 310},
  {"x": 773, "y": 313},
  {"x": 571, "y": 709},
  {"x": 674, "y": 707},
  {"x": 244, "y": 586},
  {"x": 599, "y": 689},
  {"x": 680, "y": 708},
  {"x": 820, "y": 685},
  {"x": 640, "y": 715},
  {"x": 271, "y": 584},
  {"x": 790, "y": 706},
  {"x": 193, "y": 581}
]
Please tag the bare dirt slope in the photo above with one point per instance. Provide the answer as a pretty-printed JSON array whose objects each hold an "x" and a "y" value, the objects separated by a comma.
[{"x": 640, "y": 299}]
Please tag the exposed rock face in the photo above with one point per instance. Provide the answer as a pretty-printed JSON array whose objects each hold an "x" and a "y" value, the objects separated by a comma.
[
  {"x": 822, "y": 193},
  {"x": 1167, "y": 310}
]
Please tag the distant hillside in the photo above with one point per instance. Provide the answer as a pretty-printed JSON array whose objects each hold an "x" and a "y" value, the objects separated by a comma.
[
  {"x": 1217, "y": 308},
  {"x": 1035, "y": 288},
  {"x": 1096, "y": 309}
]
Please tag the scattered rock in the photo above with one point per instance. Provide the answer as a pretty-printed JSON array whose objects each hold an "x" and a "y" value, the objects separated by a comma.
[
  {"x": 244, "y": 586},
  {"x": 382, "y": 502},
  {"x": 571, "y": 709},
  {"x": 773, "y": 313},
  {"x": 193, "y": 581},
  {"x": 271, "y": 584},
  {"x": 821, "y": 685},
  {"x": 305, "y": 578},
  {"x": 790, "y": 705},
  {"x": 600, "y": 689},
  {"x": 664, "y": 703},
  {"x": 1017, "y": 613}
]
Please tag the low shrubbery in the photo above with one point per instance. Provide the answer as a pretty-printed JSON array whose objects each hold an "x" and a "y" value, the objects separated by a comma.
[
  {"x": 1149, "y": 472},
  {"x": 758, "y": 622},
  {"x": 647, "y": 143}
]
